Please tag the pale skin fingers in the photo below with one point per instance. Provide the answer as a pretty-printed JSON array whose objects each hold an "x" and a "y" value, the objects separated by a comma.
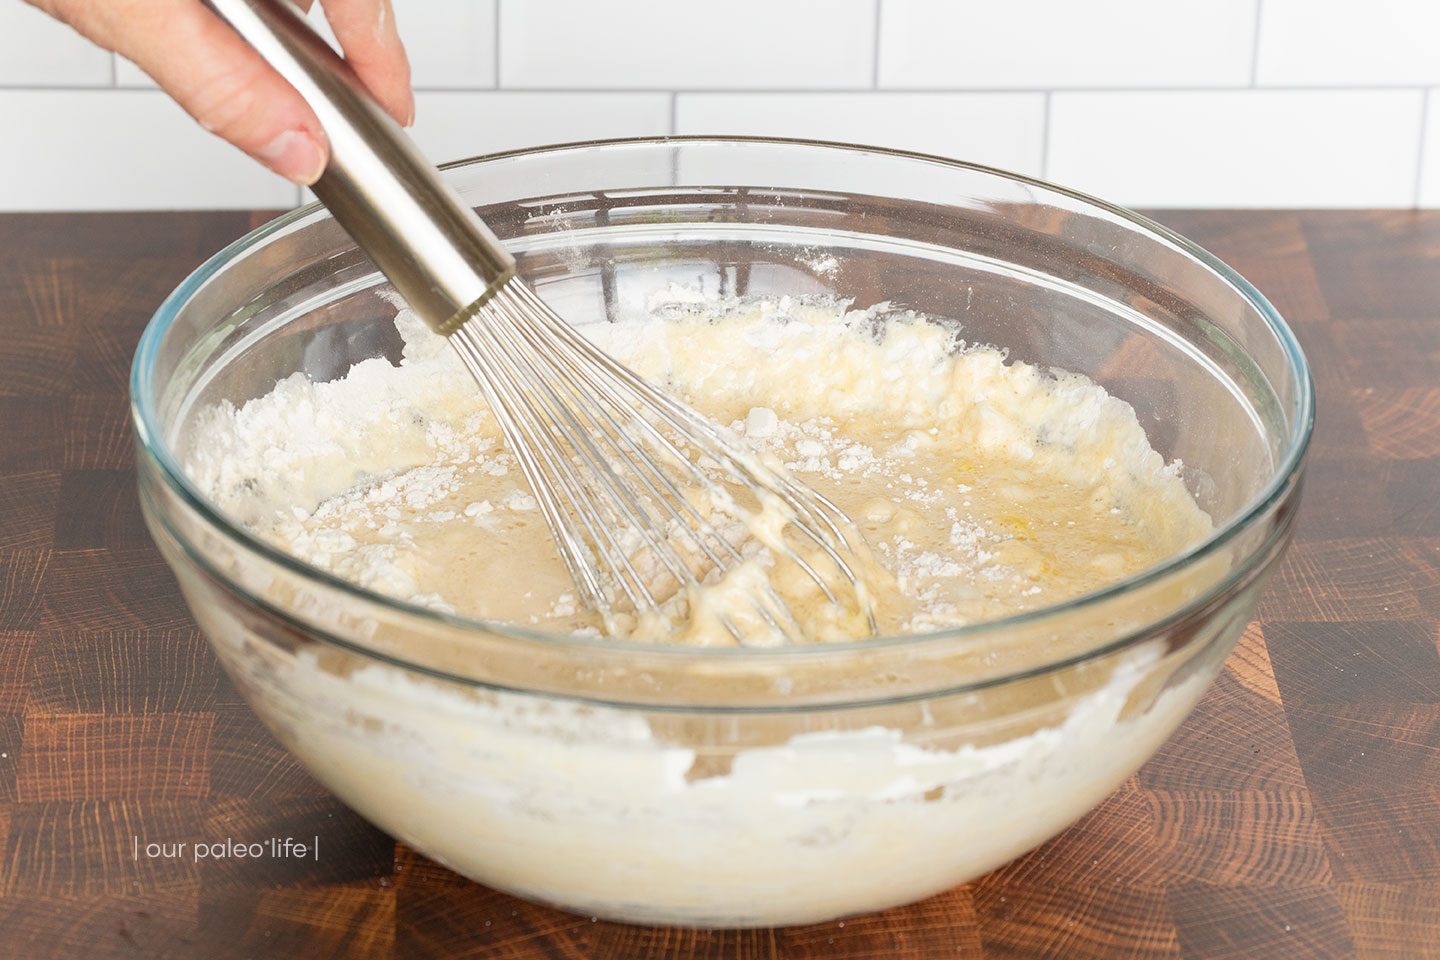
[
  {"x": 227, "y": 87},
  {"x": 367, "y": 33}
]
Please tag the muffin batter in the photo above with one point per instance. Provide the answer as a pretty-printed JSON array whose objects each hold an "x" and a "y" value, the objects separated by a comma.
[{"x": 985, "y": 488}]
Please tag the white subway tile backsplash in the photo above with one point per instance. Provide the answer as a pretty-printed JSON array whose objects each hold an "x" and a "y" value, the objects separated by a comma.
[
  {"x": 1274, "y": 148},
  {"x": 1173, "y": 103},
  {"x": 450, "y": 126},
  {"x": 450, "y": 44},
  {"x": 1065, "y": 43},
  {"x": 998, "y": 129},
  {"x": 129, "y": 75},
  {"x": 738, "y": 44},
  {"x": 36, "y": 50},
  {"x": 1430, "y": 154},
  {"x": 1339, "y": 42},
  {"x": 122, "y": 150}
]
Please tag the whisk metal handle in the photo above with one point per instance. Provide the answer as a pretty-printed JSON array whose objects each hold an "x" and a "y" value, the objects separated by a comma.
[{"x": 441, "y": 257}]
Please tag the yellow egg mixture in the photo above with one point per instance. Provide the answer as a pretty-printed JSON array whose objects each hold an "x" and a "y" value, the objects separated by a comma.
[{"x": 983, "y": 487}]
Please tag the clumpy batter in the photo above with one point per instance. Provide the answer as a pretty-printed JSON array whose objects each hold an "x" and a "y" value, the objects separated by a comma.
[{"x": 985, "y": 488}]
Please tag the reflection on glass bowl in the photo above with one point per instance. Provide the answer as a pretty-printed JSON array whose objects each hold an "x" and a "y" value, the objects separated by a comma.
[{"x": 738, "y": 787}]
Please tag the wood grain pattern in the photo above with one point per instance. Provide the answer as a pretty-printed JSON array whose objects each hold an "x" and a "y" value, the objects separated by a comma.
[{"x": 1296, "y": 813}]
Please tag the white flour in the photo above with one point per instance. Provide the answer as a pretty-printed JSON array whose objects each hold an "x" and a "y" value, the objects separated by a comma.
[{"x": 985, "y": 488}]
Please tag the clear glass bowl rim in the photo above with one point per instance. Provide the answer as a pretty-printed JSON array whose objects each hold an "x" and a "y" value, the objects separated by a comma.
[{"x": 151, "y": 443}]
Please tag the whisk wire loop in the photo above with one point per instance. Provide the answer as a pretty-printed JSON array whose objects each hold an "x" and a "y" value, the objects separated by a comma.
[
  {"x": 811, "y": 508},
  {"x": 618, "y": 471}
]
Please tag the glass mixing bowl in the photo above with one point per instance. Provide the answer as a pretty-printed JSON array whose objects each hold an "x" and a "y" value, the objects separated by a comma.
[{"x": 735, "y": 787}]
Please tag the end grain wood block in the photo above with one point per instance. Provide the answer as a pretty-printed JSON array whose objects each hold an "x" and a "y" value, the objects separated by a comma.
[
  {"x": 63, "y": 928},
  {"x": 34, "y": 434},
  {"x": 1346, "y": 498},
  {"x": 1356, "y": 663},
  {"x": 353, "y": 921},
  {"x": 246, "y": 763},
  {"x": 1235, "y": 239},
  {"x": 86, "y": 848},
  {"x": 1410, "y": 490},
  {"x": 29, "y": 503},
  {"x": 101, "y": 509},
  {"x": 15, "y": 650},
  {"x": 98, "y": 435},
  {"x": 1090, "y": 919},
  {"x": 1361, "y": 578},
  {"x": 1402, "y": 423},
  {"x": 1397, "y": 350},
  {"x": 97, "y": 756},
  {"x": 22, "y": 599},
  {"x": 942, "y": 926},
  {"x": 341, "y": 846},
  {"x": 1346, "y": 749},
  {"x": 1297, "y": 923},
  {"x": 121, "y": 672},
  {"x": 1237, "y": 738},
  {"x": 12, "y": 733},
  {"x": 111, "y": 589},
  {"x": 39, "y": 361},
  {"x": 1422, "y": 556},
  {"x": 1289, "y": 281},
  {"x": 1302, "y": 792},
  {"x": 1383, "y": 837},
  {"x": 1391, "y": 921},
  {"x": 1379, "y": 263},
  {"x": 1236, "y": 839}
]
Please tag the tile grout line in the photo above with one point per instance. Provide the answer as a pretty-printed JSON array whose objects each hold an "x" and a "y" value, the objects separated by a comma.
[
  {"x": 1045, "y": 138},
  {"x": 1255, "y": 52},
  {"x": 114, "y": 69},
  {"x": 496, "y": 31},
  {"x": 1420, "y": 159},
  {"x": 674, "y": 112},
  {"x": 819, "y": 91},
  {"x": 875, "y": 50}
]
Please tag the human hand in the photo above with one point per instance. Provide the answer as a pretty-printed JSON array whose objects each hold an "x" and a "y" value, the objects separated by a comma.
[{"x": 225, "y": 85}]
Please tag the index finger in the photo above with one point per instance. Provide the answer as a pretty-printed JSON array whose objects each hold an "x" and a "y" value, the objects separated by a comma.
[{"x": 369, "y": 38}]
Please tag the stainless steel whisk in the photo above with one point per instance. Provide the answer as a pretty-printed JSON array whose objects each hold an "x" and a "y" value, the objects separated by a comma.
[{"x": 634, "y": 485}]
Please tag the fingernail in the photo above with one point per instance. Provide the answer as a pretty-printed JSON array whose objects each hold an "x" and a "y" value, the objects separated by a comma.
[
  {"x": 295, "y": 155},
  {"x": 410, "y": 117}
]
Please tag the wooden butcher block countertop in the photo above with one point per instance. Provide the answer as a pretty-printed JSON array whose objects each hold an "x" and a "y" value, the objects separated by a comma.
[{"x": 1296, "y": 814}]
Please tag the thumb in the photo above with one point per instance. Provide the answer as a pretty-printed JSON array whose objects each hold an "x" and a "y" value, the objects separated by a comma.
[{"x": 213, "y": 74}]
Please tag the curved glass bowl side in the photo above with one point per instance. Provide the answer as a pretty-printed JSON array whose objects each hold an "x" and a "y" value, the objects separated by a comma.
[
  {"x": 287, "y": 268},
  {"x": 800, "y": 812},
  {"x": 810, "y": 782}
]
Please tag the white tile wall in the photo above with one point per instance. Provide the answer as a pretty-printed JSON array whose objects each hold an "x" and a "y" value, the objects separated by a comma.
[
  {"x": 1430, "y": 153},
  {"x": 129, "y": 75},
  {"x": 453, "y": 125},
  {"x": 1341, "y": 42},
  {"x": 450, "y": 43},
  {"x": 1275, "y": 148},
  {"x": 119, "y": 150},
  {"x": 450, "y": 126},
  {"x": 36, "y": 49},
  {"x": 682, "y": 43},
  {"x": 1066, "y": 43},
  {"x": 999, "y": 129},
  {"x": 1173, "y": 103}
]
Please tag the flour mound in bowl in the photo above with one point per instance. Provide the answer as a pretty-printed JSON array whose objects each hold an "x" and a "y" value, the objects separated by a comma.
[{"x": 985, "y": 487}]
